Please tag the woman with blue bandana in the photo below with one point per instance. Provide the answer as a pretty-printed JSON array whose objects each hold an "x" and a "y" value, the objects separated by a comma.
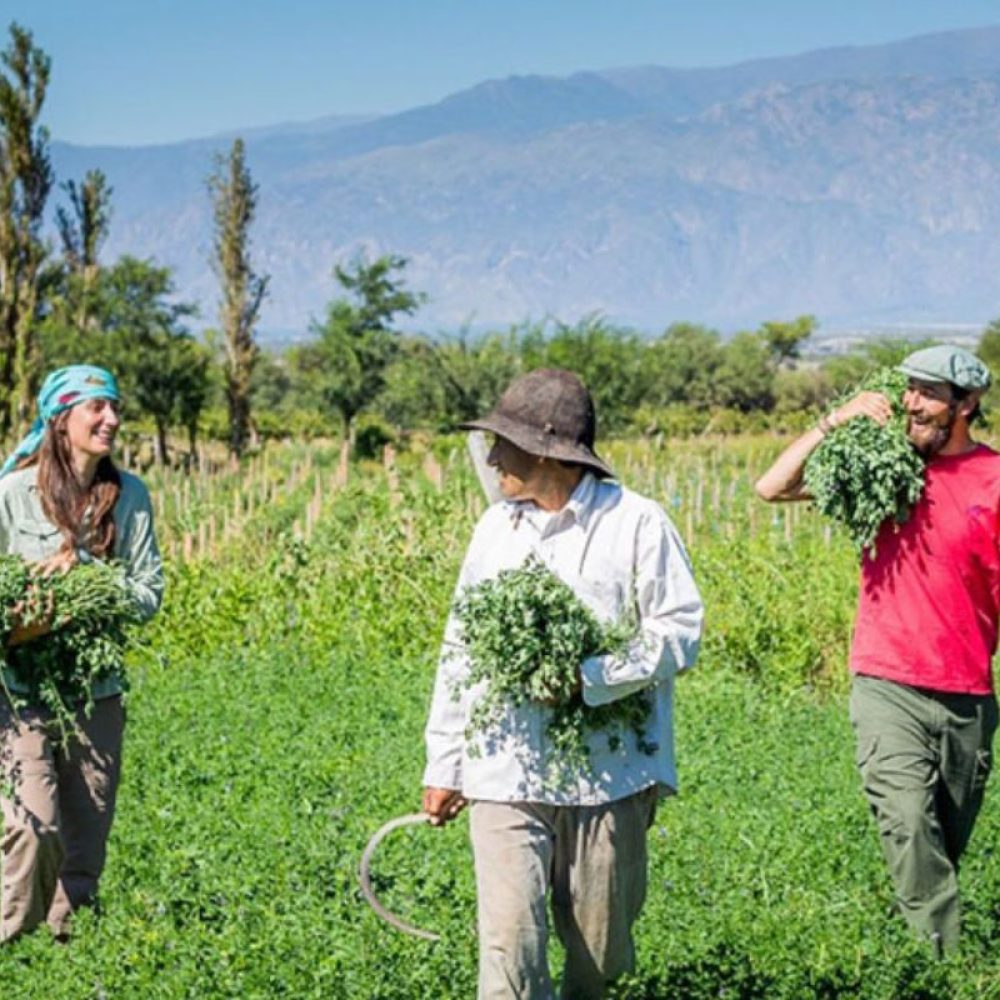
[{"x": 63, "y": 501}]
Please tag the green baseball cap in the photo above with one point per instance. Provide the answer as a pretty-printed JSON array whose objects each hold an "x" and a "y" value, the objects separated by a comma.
[{"x": 946, "y": 363}]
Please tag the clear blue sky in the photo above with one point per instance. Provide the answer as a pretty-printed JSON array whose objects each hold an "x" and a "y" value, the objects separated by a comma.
[{"x": 139, "y": 71}]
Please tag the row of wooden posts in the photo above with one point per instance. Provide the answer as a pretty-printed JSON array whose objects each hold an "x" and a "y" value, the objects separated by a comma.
[{"x": 222, "y": 504}]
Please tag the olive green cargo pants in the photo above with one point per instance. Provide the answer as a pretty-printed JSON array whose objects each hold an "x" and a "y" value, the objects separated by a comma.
[{"x": 924, "y": 757}]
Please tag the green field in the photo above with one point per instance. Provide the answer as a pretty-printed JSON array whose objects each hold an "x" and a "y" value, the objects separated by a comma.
[{"x": 276, "y": 720}]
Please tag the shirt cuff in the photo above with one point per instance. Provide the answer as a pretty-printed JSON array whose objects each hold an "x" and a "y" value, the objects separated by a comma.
[{"x": 444, "y": 774}]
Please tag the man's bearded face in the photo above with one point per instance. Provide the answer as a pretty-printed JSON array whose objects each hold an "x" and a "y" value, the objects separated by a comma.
[{"x": 931, "y": 409}]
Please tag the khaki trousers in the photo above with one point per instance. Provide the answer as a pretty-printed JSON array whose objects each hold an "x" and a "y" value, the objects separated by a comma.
[
  {"x": 58, "y": 805},
  {"x": 924, "y": 758},
  {"x": 593, "y": 861}
]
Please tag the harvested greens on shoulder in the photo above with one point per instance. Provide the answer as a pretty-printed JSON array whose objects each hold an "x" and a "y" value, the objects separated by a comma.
[
  {"x": 92, "y": 614},
  {"x": 862, "y": 474},
  {"x": 525, "y": 634}
]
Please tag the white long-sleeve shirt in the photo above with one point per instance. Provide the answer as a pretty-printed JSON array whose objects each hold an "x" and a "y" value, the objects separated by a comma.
[{"x": 620, "y": 553}]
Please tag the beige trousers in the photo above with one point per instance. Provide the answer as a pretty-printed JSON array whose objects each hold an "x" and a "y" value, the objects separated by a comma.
[
  {"x": 592, "y": 859},
  {"x": 58, "y": 804}
]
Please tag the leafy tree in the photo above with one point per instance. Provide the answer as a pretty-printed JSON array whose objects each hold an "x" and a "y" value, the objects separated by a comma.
[
  {"x": 784, "y": 339},
  {"x": 474, "y": 374},
  {"x": 235, "y": 201},
  {"x": 271, "y": 386},
  {"x": 25, "y": 182},
  {"x": 682, "y": 366},
  {"x": 846, "y": 371},
  {"x": 70, "y": 286},
  {"x": 82, "y": 231},
  {"x": 144, "y": 333},
  {"x": 988, "y": 349},
  {"x": 345, "y": 368},
  {"x": 169, "y": 380},
  {"x": 191, "y": 364},
  {"x": 609, "y": 360},
  {"x": 886, "y": 352},
  {"x": 443, "y": 382},
  {"x": 744, "y": 379},
  {"x": 163, "y": 372},
  {"x": 801, "y": 389}
]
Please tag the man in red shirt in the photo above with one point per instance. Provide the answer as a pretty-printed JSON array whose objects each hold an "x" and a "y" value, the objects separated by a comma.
[{"x": 922, "y": 701}]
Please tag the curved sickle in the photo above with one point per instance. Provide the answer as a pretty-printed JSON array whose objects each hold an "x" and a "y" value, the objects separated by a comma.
[{"x": 364, "y": 875}]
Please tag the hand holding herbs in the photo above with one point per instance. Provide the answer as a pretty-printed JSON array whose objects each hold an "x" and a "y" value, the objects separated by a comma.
[
  {"x": 526, "y": 634},
  {"x": 863, "y": 473},
  {"x": 89, "y": 614}
]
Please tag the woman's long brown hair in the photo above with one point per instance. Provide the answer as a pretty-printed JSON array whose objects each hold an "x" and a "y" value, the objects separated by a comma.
[{"x": 67, "y": 503}]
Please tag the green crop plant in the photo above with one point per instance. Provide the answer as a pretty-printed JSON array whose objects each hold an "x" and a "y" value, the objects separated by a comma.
[
  {"x": 863, "y": 474},
  {"x": 92, "y": 614},
  {"x": 525, "y": 634}
]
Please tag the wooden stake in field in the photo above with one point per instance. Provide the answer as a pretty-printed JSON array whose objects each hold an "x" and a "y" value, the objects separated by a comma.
[
  {"x": 392, "y": 475},
  {"x": 343, "y": 463},
  {"x": 433, "y": 471}
]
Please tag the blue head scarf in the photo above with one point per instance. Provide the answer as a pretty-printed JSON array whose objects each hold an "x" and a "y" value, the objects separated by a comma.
[{"x": 64, "y": 388}]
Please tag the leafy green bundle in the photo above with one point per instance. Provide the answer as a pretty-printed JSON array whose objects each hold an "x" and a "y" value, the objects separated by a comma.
[
  {"x": 862, "y": 474},
  {"x": 526, "y": 633},
  {"x": 92, "y": 615}
]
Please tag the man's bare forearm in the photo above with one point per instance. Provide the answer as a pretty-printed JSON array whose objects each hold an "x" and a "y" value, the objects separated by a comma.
[{"x": 784, "y": 480}]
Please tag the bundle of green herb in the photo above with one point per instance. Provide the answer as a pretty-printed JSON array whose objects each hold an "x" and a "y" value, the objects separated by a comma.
[
  {"x": 525, "y": 634},
  {"x": 862, "y": 474},
  {"x": 91, "y": 613},
  {"x": 13, "y": 587}
]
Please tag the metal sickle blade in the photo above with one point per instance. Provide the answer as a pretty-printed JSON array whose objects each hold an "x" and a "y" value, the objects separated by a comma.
[{"x": 364, "y": 875}]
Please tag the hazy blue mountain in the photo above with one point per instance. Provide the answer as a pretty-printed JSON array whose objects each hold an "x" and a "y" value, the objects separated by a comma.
[
  {"x": 972, "y": 54},
  {"x": 327, "y": 123},
  {"x": 860, "y": 184}
]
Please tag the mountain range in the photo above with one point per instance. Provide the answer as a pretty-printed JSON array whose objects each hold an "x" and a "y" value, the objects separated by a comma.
[{"x": 858, "y": 184}]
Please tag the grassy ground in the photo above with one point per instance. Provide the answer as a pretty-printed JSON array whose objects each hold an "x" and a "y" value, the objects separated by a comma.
[{"x": 277, "y": 720}]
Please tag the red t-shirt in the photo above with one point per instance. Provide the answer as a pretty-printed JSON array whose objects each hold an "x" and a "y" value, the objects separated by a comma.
[{"x": 929, "y": 601}]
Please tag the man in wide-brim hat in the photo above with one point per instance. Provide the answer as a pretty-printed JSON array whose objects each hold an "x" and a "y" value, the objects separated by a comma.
[{"x": 583, "y": 842}]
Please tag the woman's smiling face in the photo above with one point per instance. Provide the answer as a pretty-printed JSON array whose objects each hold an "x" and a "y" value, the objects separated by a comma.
[{"x": 91, "y": 427}]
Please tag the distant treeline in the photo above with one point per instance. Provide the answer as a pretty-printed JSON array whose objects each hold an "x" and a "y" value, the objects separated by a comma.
[{"x": 688, "y": 380}]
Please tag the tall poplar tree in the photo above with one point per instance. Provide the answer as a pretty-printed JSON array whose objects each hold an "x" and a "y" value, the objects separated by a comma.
[
  {"x": 82, "y": 231},
  {"x": 25, "y": 182},
  {"x": 234, "y": 196}
]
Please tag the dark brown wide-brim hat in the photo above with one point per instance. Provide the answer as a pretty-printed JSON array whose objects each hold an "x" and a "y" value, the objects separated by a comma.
[{"x": 547, "y": 412}]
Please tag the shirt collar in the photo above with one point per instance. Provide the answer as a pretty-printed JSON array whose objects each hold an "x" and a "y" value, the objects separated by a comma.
[
  {"x": 579, "y": 507},
  {"x": 30, "y": 475},
  {"x": 583, "y": 499}
]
